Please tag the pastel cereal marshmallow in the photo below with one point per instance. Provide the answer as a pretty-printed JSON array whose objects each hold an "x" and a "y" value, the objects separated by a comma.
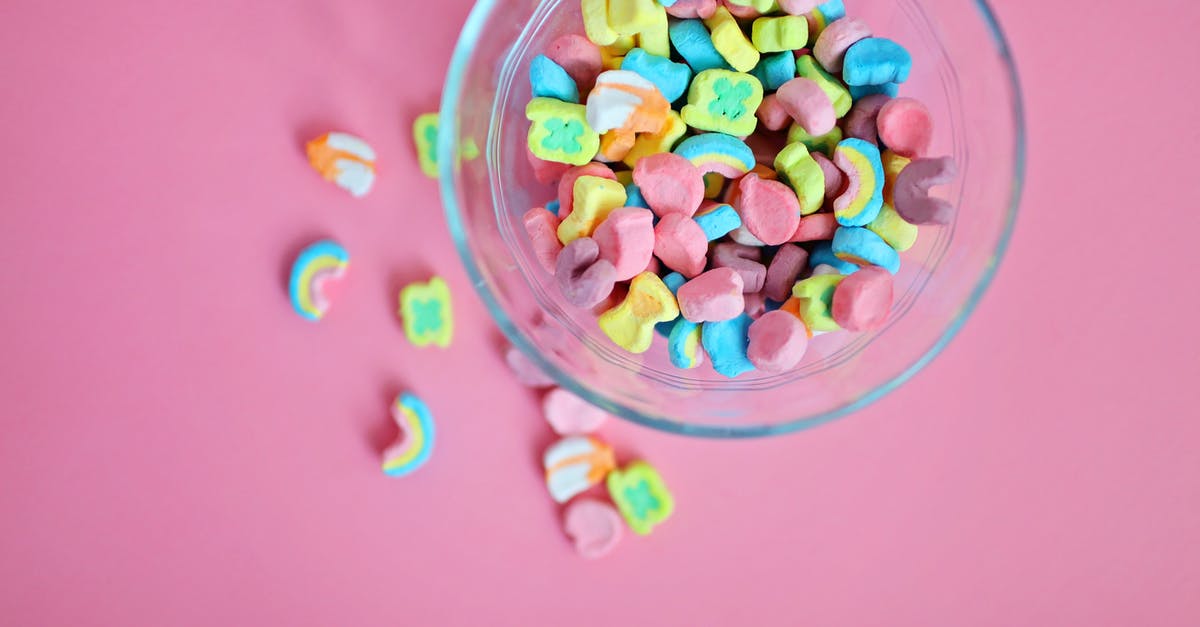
[
  {"x": 830, "y": 48},
  {"x": 772, "y": 115},
  {"x": 559, "y": 132},
  {"x": 345, "y": 160},
  {"x": 835, "y": 181},
  {"x": 595, "y": 22},
  {"x": 672, "y": 79},
  {"x": 427, "y": 313},
  {"x": 714, "y": 296},
  {"x": 839, "y": 94},
  {"x": 626, "y": 240},
  {"x": 681, "y": 244},
  {"x": 822, "y": 255},
  {"x": 808, "y": 104},
  {"x": 797, "y": 168},
  {"x": 779, "y": 34},
  {"x": 769, "y": 209},
  {"x": 815, "y": 228},
  {"x": 862, "y": 300},
  {"x": 584, "y": 279},
  {"x": 746, "y": 260},
  {"x": 813, "y": 302},
  {"x": 647, "y": 144},
  {"x": 579, "y": 57},
  {"x": 414, "y": 444},
  {"x": 718, "y": 221},
  {"x": 777, "y": 342},
  {"x": 549, "y": 80},
  {"x": 722, "y": 101},
  {"x": 317, "y": 269},
  {"x": 690, "y": 9},
  {"x": 630, "y": 17},
  {"x": 542, "y": 227},
  {"x": 726, "y": 344},
  {"x": 567, "y": 180},
  {"x": 861, "y": 247},
  {"x": 913, "y": 200},
  {"x": 694, "y": 43},
  {"x": 860, "y": 203},
  {"x": 576, "y": 463},
  {"x": 862, "y": 121},
  {"x": 595, "y": 527},
  {"x": 625, "y": 100},
  {"x": 798, "y": 7},
  {"x": 717, "y": 152},
  {"x": 775, "y": 69},
  {"x": 729, "y": 40},
  {"x": 905, "y": 127},
  {"x": 594, "y": 198},
  {"x": 568, "y": 414},
  {"x": 630, "y": 324},
  {"x": 641, "y": 496},
  {"x": 670, "y": 183},
  {"x": 785, "y": 267},
  {"x": 876, "y": 61},
  {"x": 683, "y": 345}
]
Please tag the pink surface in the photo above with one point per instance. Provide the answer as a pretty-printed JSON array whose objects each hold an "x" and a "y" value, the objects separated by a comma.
[{"x": 179, "y": 448}]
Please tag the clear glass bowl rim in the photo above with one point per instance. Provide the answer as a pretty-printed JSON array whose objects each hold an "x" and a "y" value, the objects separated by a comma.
[{"x": 447, "y": 147}]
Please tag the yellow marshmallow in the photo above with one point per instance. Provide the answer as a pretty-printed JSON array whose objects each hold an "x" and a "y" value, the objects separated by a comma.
[
  {"x": 630, "y": 17},
  {"x": 799, "y": 170},
  {"x": 807, "y": 67},
  {"x": 630, "y": 325},
  {"x": 893, "y": 229},
  {"x": 655, "y": 39},
  {"x": 594, "y": 198},
  {"x": 595, "y": 22},
  {"x": 648, "y": 144},
  {"x": 815, "y": 143},
  {"x": 731, "y": 42},
  {"x": 779, "y": 34},
  {"x": 892, "y": 165}
]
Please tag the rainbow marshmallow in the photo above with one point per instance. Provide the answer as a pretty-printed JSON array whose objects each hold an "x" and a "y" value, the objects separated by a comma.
[
  {"x": 317, "y": 266},
  {"x": 415, "y": 444},
  {"x": 717, "y": 152}
]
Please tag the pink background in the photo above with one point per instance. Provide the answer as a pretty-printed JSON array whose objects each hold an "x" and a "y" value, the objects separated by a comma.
[{"x": 178, "y": 448}]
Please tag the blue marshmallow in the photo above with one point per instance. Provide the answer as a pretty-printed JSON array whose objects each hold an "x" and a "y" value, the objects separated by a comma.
[
  {"x": 775, "y": 69},
  {"x": 822, "y": 254},
  {"x": 553, "y": 206},
  {"x": 726, "y": 343},
  {"x": 680, "y": 349},
  {"x": 862, "y": 91},
  {"x": 671, "y": 78},
  {"x": 550, "y": 80},
  {"x": 862, "y": 247},
  {"x": 673, "y": 281},
  {"x": 634, "y": 198},
  {"x": 833, "y": 10},
  {"x": 876, "y": 61},
  {"x": 694, "y": 43},
  {"x": 719, "y": 222}
]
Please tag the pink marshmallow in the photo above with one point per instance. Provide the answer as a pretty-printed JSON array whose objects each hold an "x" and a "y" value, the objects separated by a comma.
[
  {"x": 835, "y": 179},
  {"x": 570, "y": 415},
  {"x": 669, "y": 183},
  {"x": 906, "y": 127},
  {"x": 772, "y": 114},
  {"x": 808, "y": 105},
  {"x": 579, "y": 57},
  {"x": 583, "y": 277},
  {"x": 756, "y": 305},
  {"x": 863, "y": 300},
  {"x": 626, "y": 240},
  {"x": 743, "y": 259},
  {"x": 566, "y": 186},
  {"x": 595, "y": 526},
  {"x": 542, "y": 226},
  {"x": 741, "y": 11},
  {"x": 714, "y": 296},
  {"x": 688, "y": 9},
  {"x": 798, "y": 7},
  {"x": 546, "y": 172},
  {"x": 833, "y": 42},
  {"x": 860, "y": 123},
  {"x": 778, "y": 341},
  {"x": 913, "y": 201},
  {"x": 681, "y": 244},
  {"x": 769, "y": 209},
  {"x": 818, "y": 227},
  {"x": 783, "y": 271}
]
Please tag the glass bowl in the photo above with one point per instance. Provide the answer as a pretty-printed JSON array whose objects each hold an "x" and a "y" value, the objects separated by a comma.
[{"x": 963, "y": 71}]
